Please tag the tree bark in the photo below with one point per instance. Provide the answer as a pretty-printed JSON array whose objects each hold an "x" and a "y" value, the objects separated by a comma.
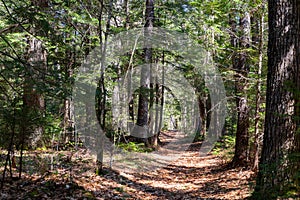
[
  {"x": 258, "y": 41},
  {"x": 241, "y": 66},
  {"x": 69, "y": 118},
  {"x": 144, "y": 94},
  {"x": 279, "y": 164},
  {"x": 101, "y": 99},
  {"x": 33, "y": 100}
]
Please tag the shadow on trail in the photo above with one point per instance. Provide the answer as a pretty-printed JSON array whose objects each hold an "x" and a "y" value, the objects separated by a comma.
[
  {"x": 144, "y": 190},
  {"x": 200, "y": 182},
  {"x": 41, "y": 188}
]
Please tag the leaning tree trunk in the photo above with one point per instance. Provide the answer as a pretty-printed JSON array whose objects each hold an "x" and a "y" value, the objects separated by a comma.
[
  {"x": 280, "y": 164},
  {"x": 241, "y": 66}
]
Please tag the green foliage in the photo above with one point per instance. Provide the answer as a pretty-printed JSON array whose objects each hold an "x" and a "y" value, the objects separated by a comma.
[
  {"x": 119, "y": 189},
  {"x": 52, "y": 128},
  {"x": 225, "y": 147},
  {"x": 198, "y": 137},
  {"x": 134, "y": 147}
]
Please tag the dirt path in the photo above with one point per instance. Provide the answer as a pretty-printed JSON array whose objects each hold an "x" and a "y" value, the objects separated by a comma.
[{"x": 189, "y": 177}]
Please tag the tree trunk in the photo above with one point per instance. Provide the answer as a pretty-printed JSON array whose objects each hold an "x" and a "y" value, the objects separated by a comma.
[
  {"x": 69, "y": 125},
  {"x": 33, "y": 99},
  {"x": 279, "y": 164},
  {"x": 126, "y": 11},
  {"x": 101, "y": 98},
  {"x": 240, "y": 64},
  {"x": 259, "y": 41},
  {"x": 201, "y": 130},
  {"x": 161, "y": 95},
  {"x": 144, "y": 95}
]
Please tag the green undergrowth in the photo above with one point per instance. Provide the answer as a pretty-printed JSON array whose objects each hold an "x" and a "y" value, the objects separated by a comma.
[
  {"x": 134, "y": 147},
  {"x": 225, "y": 148}
]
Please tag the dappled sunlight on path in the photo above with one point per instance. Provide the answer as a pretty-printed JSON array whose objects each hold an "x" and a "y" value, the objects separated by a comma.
[
  {"x": 189, "y": 177},
  {"x": 194, "y": 177}
]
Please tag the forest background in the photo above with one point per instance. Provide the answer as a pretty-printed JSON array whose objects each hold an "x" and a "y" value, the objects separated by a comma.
[{"x": 45, "y": 42}]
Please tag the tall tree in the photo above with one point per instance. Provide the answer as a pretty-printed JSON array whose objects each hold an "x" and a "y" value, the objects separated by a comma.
[
  {"x": 69, "y": 125},
  {"x": 104, "y": 30},
  {"x": 143, "y": 105},
  {"x": 258, "y": 43},
  {"x": 279, "y": 164},
  {"x": 241, "y": 66},
  {"x": 33, "y": 99}
]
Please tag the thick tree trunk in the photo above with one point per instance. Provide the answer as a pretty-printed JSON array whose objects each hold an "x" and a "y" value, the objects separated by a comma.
[
  {"x": 144, "y": 95},
  {"x": 201, "y": 130},
  {"x": 33, "y": 99},
  {"x": 240, "y": 64},
  {"x": 279, "y": 164},
  {"x": 142, "y": 118}
]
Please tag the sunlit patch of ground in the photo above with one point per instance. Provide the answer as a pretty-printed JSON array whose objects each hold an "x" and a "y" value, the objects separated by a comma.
[{"x": 71, "y": 175}]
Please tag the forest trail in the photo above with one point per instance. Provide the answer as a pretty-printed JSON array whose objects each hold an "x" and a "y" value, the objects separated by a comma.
[
  {"x": 192, "y": 177},
  {"x": 189, "y": 177}
]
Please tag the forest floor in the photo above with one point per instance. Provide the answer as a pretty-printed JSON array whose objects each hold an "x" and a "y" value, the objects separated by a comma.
[{"x": 189, "y": 177}]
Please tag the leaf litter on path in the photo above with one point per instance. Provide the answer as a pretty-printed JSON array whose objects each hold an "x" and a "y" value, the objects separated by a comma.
[{"x": 189, "y": 177}]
